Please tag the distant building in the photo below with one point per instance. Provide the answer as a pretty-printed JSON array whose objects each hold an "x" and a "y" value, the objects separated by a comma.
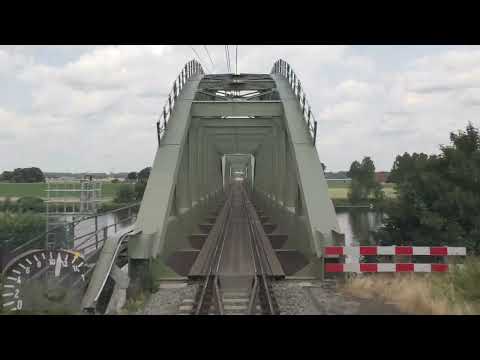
[{"x": 381, "y": 176}]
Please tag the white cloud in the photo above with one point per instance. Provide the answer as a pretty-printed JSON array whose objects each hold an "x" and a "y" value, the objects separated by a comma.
[{"x": 94, "y": 107}]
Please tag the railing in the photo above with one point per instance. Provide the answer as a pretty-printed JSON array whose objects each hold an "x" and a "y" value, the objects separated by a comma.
[
  {"x": 191, "y": 68},
  {"x": 283, "y": 68},
  {"x": 90, "y": 241}
]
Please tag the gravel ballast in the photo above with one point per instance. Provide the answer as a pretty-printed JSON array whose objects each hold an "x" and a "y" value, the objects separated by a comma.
[
  {"x": 167, "y": 300},
  {"x": 294, "y": 297}
]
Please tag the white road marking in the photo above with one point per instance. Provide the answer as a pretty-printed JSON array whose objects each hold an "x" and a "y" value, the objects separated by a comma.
[
  {"x": 17, "y": 272},
  {"x": 22, "y": 266},
  {"x": 43, "y": 256},
  {"x": 28, "y": 261},
  {"x": 7, "y": 294},
  {"x": 9, "y": 286},
  {"x": 9, "y": 303},
  {"x": 36, "y": 259},
  {"x": 11, "y": 278}
]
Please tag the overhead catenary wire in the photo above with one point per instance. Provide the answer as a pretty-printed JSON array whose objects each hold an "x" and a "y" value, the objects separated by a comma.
[
  {"x": 198, "y": 57},
  {"x": 208, "y": 53}
]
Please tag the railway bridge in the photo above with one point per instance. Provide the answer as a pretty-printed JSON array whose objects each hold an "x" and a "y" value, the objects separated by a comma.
[
  {"x": 236, "y": 196},
  {"x": 214, "y": 129}
]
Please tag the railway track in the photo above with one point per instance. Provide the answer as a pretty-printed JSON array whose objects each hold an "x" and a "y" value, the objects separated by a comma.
[{"x": 237, "y": 279}]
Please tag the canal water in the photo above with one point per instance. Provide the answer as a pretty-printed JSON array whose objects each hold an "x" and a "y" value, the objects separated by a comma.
[
  {"x": 357, "y": 225},
  {"x": 83, "y": 230}
]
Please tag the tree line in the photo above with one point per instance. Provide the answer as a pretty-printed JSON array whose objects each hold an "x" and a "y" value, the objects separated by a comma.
[
  {"x": 127, "y": 194},
  {"x": 23, "y": 175},
  {"x": 437, "y": 196}
]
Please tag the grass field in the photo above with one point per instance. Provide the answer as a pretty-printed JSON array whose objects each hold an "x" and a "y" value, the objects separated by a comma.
[
  {"x": 16, "y": 190},
  {"x": 340, "y": 191}
]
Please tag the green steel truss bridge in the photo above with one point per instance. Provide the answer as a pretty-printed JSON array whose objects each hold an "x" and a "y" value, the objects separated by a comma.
[{"x": 236, "y": 196}]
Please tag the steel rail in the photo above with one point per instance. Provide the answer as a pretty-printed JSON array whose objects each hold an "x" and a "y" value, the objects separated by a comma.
[
  {"x": 253, "y": 294},
  {"x": 261, "y": 282},
  {"x": 261, "y": 259},
  {"x": 214, "y": 261}
]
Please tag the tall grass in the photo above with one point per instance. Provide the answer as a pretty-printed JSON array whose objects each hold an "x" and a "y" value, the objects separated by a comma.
[{"x": 454, "y": 293}]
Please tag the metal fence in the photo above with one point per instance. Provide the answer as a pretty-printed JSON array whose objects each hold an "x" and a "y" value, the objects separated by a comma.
[
  {"x": 283, "y": 68},
  {"x": 191, "y": 68},
  {"x": 85, "y": 243}
]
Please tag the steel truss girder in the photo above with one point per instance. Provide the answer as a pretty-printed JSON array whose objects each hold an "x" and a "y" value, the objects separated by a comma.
[{"x": 236, "y": 108}]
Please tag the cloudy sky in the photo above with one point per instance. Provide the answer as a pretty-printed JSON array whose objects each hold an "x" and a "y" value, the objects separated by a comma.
[{"x": 94, "y": 108}]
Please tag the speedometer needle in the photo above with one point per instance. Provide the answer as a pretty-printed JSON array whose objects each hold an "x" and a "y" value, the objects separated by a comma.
[{"x": 58, "y": 266}]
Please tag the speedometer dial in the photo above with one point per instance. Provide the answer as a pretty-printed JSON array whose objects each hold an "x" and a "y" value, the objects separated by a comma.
[{"x": 44, "y": 280}]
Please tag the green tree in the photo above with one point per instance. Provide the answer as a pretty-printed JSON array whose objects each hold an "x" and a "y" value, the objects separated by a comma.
[
  {"x": 139, "y": 190},
  {"x": 364, "y": 184},
  {"x": 141, "y": 184},
  {"x": 132, "y": 176},
  {"x": 438, "y": 196},
  {"x": 25, "y": 175},
  {"x": 144, "y": 174},
  {"x": 125, "y": 194},
  {"x": 6, "y": 176}
]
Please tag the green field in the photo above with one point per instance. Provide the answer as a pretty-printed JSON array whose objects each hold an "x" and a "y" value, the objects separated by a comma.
[
  {"x": 16, "y": 190},
  {"x": 340, "y": 191}
]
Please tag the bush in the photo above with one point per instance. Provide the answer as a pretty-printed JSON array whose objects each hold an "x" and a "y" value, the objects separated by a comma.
[
  {"x": 125, "y": 194},
  {"x": 30, "y": 203},
  {"x": 20, "y": 227},
  {"x": 466, "y": 280}
]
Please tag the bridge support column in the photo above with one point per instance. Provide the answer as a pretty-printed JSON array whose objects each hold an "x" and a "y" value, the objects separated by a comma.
[{"x": 140, "y": 278}]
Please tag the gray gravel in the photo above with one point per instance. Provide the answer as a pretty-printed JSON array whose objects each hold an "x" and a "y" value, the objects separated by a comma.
[
  {"x": 323, "y": 298},
  {"x": 167, "y": 299},
  {"x": 293, "y": 297}
]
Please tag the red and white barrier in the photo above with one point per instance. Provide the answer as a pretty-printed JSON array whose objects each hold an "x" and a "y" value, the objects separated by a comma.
[
  {"x": 357, "y": 251},
  {"x": 394, "y": 250},
  {"x": 385, "y": 267}
]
